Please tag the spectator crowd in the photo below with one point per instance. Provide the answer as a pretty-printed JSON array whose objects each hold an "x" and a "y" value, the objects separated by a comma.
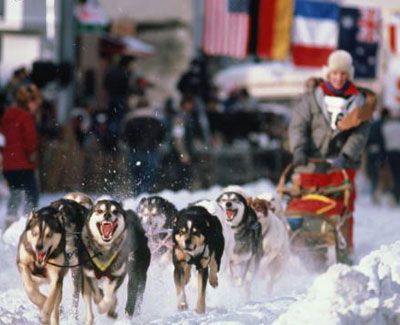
[{"x": 133, "y": 146}]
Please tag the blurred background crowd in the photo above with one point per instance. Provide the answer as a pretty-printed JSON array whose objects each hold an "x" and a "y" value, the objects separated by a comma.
[{"x": 136, "y": 98}]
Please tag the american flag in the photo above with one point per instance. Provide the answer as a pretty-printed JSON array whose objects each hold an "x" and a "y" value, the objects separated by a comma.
[
  {"x": 226, "y": 27},
  {"x": 369, "y": 25}
]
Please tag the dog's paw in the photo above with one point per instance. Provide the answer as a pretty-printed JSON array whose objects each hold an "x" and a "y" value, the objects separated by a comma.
[
  {"x": 129, "y": 312},
  {"x": 183, "y": 306},
  {"x": 201, "y": 309},
  {"x": 213, "y": 279},
  {"x": 238, "y": 282},
  {"x": 112, "y": 314},
  {"x": 44, "y": 318},
  {"x": 103, "y": 307},
  {"x": 89, "y": 321}
]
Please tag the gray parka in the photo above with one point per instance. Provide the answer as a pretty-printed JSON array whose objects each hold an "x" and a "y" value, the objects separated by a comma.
[{"x": 310, "y": 132}]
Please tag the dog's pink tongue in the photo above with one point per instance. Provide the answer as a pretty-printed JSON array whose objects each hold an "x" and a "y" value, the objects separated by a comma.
[
  {"x": 229, "y": 213},
  {"x": 40, "y": 256},
  {"x": 107, "y": 229}
]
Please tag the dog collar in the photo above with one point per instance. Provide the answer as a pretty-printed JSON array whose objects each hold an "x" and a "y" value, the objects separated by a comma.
[{"x": 103, "y": 266}]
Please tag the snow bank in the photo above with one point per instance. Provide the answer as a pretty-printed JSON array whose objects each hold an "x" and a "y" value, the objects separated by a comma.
[{"x": 368, "y": 293}]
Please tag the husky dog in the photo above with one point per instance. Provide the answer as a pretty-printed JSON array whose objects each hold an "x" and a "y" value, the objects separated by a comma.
[
  {"x": 41, "y": 249},
  {"x": 275, "y": 237},
  {"x": 156, "y": 215},
  {"x": 72, "y": 216},
  {"x": 216, "y": 210},
  {"x": 198, "y": 241},
  {"x": 247, "y": 252},
  {"x": 81, "y": 198},
  {"x": 113, "y": 246}
]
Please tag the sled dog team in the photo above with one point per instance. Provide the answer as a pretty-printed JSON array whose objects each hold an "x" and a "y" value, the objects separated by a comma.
[{"x": 102, "y": 243}]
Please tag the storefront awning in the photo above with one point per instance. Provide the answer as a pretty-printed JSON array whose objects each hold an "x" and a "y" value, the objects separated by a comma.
[{"x": 125, "y": 45}]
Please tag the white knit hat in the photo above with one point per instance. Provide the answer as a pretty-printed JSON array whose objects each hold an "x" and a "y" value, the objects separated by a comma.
[{"x": 339, "y": 60}]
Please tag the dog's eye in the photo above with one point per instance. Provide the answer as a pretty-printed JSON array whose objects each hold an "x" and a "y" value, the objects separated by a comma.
[
  {"x": 182, "y": 231},
  {"x": 99, "y": 211},
  {"x": 49, "y": 234},
  {"x": 34, "y": 233},
  {"x": 196, "y": 233}
]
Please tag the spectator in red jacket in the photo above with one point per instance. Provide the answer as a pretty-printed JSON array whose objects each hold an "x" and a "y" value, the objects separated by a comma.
[{"x": 20, "y": 153}]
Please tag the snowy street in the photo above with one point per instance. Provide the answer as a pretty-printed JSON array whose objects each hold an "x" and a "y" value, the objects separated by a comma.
[{"x": 368, "y": 293}]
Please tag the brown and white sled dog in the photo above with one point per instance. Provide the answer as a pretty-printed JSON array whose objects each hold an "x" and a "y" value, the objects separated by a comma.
[
  {"x": 247, "y": 253},
  {"x": 112, "y": 247},
  {"x": 215, "y": 209},
  {"x": 275, "y": 238},
  {"x": 198, "y": 241},
  {"x": 41, "y": 245}
]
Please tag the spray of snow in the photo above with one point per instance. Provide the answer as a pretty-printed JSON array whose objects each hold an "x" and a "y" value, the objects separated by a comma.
[{"x": 364, "y": 294}]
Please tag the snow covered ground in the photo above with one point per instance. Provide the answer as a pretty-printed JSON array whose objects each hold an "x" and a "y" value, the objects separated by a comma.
[{"x": 367, "y": 293}]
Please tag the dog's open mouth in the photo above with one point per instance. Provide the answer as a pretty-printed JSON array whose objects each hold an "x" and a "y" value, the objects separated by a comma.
[
  {"x": 189, "y": 249},
  {"x": 41, "y": 256},
  {"x": 230, "y": 214},
  {"x": 107, "y": 229}
]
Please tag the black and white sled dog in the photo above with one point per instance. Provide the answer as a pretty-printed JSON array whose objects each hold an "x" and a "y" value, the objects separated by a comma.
[
  {"x": 198, "y": 241},
  {"x": 215, "y": 209},
  {"x": 247, "y": 253},
  {"x": 41, "y": 249},
  {"x": 275, "y": 237},
  {"x": 156, "y": 215},
  {"x": 114, "y": 244},
  {"x": 72, "y": 216}
]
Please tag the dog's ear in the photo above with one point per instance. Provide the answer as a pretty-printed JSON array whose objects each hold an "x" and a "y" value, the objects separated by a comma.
[
  {"x": 249, "y": 200},
  {"x": 61, "y": 217},
  {"x": 32, "y": 215}
]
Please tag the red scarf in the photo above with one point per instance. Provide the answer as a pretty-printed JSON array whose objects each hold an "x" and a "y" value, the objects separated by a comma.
[{"x": 348, "y": 90}]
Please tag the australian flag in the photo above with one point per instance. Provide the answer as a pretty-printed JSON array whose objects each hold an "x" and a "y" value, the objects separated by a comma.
[{"x": 359, "y": 34}]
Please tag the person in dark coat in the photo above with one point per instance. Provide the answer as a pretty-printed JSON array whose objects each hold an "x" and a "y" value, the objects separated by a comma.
[
  {"x": 117, "y": 86},
  {"x": 143, "y": 132},
  {"x": 376, "y": 153},
  {"x": 195, "y": 81},
  {"x": 20, "y": 153}
]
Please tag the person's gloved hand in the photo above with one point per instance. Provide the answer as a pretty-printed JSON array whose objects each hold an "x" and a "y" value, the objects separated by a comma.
[
  {"x": 341, "y": 162},
  {"x": 299, "y": 159}
]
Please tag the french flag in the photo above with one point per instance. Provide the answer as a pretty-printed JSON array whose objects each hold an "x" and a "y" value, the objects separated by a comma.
[
  {"x": 315, "y": 32},
  {"x": 394, "y": 34}
]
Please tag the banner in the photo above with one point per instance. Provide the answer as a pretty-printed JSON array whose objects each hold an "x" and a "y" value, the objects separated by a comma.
[
  {"x": 274, "y": 29},
  {"x": 359, "y": 34},
  {"x": 315, "y": 32},
  {"x": 226, "y": 27}
]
